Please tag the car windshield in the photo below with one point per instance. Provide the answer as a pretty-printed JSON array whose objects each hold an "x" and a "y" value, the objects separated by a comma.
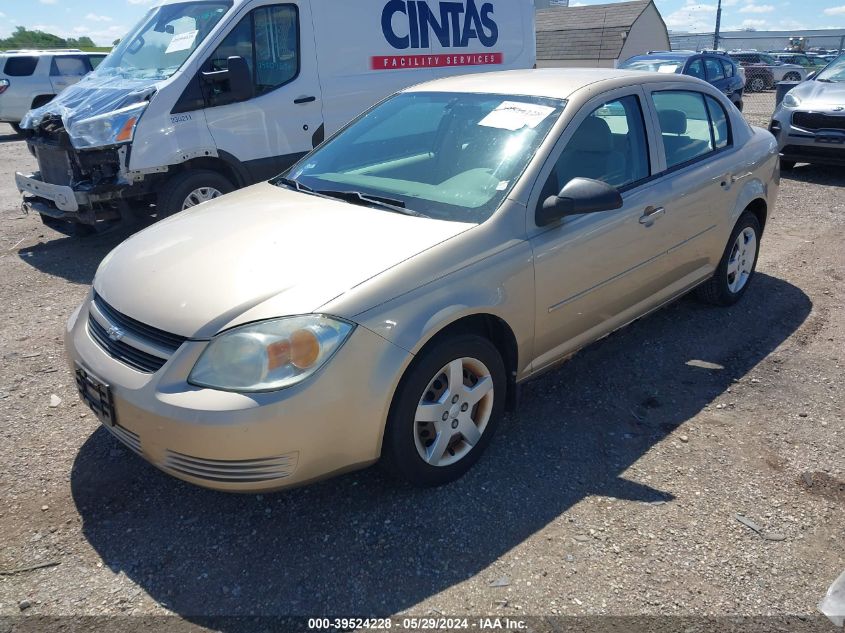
[
  {"x": 163, "y": 40},
  {"x": 450, "y": 156},
  {"x": 835, "y": 71},
  {"x": 653, "y": 65}
]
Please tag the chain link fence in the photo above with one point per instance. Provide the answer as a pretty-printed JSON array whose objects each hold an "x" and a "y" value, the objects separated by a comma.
[{"x": 758, "y": 107}]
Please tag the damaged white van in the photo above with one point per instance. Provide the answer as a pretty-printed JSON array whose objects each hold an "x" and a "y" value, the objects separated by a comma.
[{"x": 206, "y": 96}]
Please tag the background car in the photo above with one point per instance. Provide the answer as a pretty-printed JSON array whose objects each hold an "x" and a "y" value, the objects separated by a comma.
[
  {"x": 758, "y": 77},
  {"x": 780, "y": 71},
  {"x": 31, "y": 78},
  {"x": 520, "y": 216},
  {"x": 801, "y": 59},
  {"x": 809, "y": 122},
  {"x": 714, "y": 68}
]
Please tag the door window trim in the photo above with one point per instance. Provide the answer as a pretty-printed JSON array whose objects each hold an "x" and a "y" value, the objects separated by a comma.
[{"x": 712, "y": 152}]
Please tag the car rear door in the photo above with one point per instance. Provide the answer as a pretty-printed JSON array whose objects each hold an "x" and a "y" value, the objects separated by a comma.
[
  {"x": 698, "y": 163},
  {"x": 595, "y": 272},
  {"x": 67, "y": 70},
  {"x": 715, "y": 74}
]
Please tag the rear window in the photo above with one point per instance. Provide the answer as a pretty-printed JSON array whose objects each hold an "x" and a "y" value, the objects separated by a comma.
[{"x": 20, "y": 66}]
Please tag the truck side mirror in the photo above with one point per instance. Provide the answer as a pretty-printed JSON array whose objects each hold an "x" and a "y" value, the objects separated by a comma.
[
  {"x": 239, "y": 76},
  {"x": 580, "y": 195}
]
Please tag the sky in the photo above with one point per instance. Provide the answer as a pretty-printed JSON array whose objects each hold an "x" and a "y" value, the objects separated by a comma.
[{"x": 106, "y": 20}]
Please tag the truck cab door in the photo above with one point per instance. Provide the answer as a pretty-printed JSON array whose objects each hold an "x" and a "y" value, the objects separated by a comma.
[
  {"x": 283, "y": 119},
  {"x": 67, "y": 70}
]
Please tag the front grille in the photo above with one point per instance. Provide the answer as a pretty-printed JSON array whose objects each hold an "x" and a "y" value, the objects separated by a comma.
[
  {"x": 233, "y": 471},
  {"x": 818, "y": 121},
  {"x": 160, "y": 338},
  {"x": 127, "y": 437},
  {"x": 135, "y": 358},
  {"x": 54, "y": 165}
]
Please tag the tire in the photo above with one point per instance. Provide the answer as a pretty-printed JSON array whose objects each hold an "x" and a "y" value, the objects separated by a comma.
[
  {"x": 792, "y": 77},
  {"x": 757, "y": 84},
  {"x": 408, "y": 438},
  {"x": 738, "y": 104},
  {"x": 174, "y": 196},
  {"x": 787, "y": 165},
  {"x": 723, "y": 288}
]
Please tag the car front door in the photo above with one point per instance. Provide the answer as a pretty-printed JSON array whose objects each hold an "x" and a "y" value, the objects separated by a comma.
[
  {"x": 716, "y": 74},
  {"x": 67, "y": 70},
  {"x": 283, "y": 120},
  {"x": 595, "y": 272}
]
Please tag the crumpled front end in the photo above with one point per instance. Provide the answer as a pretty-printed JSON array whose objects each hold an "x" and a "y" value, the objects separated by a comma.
[{"x": 82, "y": 141}]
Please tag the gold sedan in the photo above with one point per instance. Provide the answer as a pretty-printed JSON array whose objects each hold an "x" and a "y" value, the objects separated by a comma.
[{"x": 384, "y": 298}]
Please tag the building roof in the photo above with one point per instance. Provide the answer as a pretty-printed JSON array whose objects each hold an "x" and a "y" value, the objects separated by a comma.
[{"x": 590, "y": 32}]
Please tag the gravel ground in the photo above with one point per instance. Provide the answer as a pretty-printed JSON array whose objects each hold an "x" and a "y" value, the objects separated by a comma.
[{"x": 614, "y": 489}]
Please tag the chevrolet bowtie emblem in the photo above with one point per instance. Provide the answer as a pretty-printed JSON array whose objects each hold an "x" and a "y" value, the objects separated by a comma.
[{"x": 115, "y": 333}]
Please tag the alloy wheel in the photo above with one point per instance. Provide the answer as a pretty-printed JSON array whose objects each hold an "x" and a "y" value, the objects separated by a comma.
[
  {"x": 453, "y": 412},
  {"x": 198, "y": 196},
  {"x": 758, "y": 85},
  {"x": 741, "y": 261}
]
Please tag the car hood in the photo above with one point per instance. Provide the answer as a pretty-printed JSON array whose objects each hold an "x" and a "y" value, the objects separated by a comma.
[
  {"x": 259, "y": 253},
  {"x": 820, "y": 95}
]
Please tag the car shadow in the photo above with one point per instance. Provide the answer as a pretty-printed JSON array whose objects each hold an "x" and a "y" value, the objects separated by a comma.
[
  {"x": 362, "y": 544},
  {"x": 816, "y": 174},
  {"x": 75, "y": 259}
]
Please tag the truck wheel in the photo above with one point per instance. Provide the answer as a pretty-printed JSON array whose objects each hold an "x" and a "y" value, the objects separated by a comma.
[{"x": 187, "y": 189}]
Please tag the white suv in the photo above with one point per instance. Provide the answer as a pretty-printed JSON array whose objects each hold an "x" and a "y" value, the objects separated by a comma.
[{"x": 29, "y": 79}]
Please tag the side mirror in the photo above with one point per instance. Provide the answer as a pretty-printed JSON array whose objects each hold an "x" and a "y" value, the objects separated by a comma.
[
  {"x": 239, "y": 77},
  {"x": 580, "y": 195}
]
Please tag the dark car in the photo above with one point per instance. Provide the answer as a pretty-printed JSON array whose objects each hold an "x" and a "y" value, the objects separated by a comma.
[{"x": 719, "y": 70}]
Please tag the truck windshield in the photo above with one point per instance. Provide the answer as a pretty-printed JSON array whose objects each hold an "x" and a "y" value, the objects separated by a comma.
[
  {"x": 450, "y": 156},
  {"x": 163, "y": 40}
]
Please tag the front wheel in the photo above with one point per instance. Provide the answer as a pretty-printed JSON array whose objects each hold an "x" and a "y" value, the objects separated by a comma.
[
  {"x": 737, "y": 266},
  {"x": 445, "y": 411},
  {"x": 188, "y": 189}
]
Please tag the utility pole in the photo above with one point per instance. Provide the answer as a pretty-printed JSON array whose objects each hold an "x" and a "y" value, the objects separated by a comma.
[{"x": 718, "y": 26}]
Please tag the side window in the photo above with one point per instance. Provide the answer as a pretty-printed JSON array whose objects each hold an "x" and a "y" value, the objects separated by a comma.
[
  {"x": 729, "y": 68},
  {"x": 715, "y": 72},
  {"x": 69, "y": 67},
  {"x": 268, "y": 39},
  {"x": 96, "y": 60},
  {"x": 20, "y": 66},
  {"x": 609, "y": 145},
  {"x": 684, "y": 125},
  {"x": 719, "y": 120},
  {"x": 696, "y": 69}
]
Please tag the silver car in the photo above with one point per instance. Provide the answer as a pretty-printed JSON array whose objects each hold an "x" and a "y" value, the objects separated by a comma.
[
  {"x": 384, "y": 298},
  {"x": 810, "y": 121}
]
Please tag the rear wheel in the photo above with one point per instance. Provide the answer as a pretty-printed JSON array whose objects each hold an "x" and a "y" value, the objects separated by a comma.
[
  {"x": 737, "y": 266},
  {"x": 792, "y": 77},
  {"x": 445, "y": 411},
  {"x": 188, "y": 189},
  {"x": 757, "y": 84}
]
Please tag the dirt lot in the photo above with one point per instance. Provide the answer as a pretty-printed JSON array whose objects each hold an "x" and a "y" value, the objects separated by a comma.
[{"x": 613, "y": 489}]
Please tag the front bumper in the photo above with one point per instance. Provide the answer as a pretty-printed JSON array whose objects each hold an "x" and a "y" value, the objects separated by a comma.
[
  {"x": 802, "y": 145},
  {"x": 331, "y": 423},
  {"x": 66, "y": 200}
]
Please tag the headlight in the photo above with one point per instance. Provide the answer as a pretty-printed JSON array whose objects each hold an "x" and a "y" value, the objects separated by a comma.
[
  {"x": 270, "y": 355},
  {"x": 791, "y": 101},
  {"x": 113, "y": 128}
]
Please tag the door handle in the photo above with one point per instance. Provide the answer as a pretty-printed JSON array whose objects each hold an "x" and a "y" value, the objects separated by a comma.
[
  {"x": 651, "y": 214},
  {"x": 302, "y": 100}
]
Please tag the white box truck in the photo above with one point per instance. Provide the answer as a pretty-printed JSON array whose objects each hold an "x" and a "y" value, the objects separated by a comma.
[{"x": 205, "y": 96}]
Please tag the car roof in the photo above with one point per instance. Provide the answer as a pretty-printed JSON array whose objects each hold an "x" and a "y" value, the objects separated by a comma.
[
  {"x": 666, "y": 55},
  {"x": 554, "y": 83}
]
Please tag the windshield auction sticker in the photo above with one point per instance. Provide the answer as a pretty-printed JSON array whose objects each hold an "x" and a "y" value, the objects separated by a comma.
[
  {"x": 182, "y": 42},
  {"x": 513, "y": 115}
]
